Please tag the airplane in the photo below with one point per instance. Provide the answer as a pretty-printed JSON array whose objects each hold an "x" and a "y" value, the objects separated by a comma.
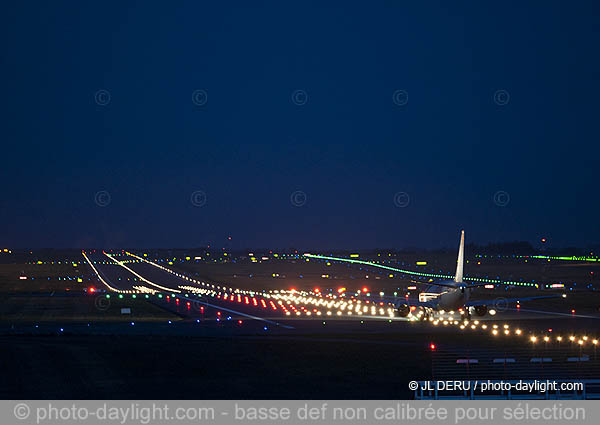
[{"x": 455, "y": 295}]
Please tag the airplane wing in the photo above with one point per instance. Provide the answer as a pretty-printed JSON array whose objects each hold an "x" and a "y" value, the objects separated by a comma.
[
  {"x": 416, "y": 302},
  {"x": 505, "y": 301},
  {"x": 443, "y": 285},
  {"x": 452, "y": 285}
]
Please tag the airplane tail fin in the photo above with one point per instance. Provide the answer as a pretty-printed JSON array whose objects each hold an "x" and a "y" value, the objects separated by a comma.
[{"x": 458, "y": 278}]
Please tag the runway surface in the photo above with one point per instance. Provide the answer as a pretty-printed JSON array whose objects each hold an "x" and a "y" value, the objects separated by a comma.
[
  {"x": 185, "y": 337},
  {"x": 197, "y": 300}
]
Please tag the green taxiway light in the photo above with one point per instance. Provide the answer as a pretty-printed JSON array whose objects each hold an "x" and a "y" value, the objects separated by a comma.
[
  {"x": 573, "y": 258},
  {"x": 413, "y": 273}
]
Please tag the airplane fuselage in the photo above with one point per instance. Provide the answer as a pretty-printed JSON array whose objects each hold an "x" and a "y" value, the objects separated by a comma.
[{"x": 452, "y": 299}]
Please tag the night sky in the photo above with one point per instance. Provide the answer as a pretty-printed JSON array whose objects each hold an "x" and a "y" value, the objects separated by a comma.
[{"x": 326, "y": 124}]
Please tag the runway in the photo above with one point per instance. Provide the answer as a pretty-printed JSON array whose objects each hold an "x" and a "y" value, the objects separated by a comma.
[
  {"x": 197, "y": 300},
  {"x": 199, "y": 336}
]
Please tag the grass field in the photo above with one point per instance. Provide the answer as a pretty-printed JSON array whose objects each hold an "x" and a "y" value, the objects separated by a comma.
[{"x": 34, "y": 309}]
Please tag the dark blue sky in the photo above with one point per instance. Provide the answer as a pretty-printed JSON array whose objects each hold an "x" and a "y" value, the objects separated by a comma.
[{"x": 350, "y": 148}]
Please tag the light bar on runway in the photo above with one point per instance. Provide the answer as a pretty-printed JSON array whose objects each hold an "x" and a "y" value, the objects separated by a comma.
[{"x": 413, "y": 273}]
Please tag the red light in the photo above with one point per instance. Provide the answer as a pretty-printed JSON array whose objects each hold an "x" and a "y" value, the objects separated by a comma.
[
  {"x": 317, "y": 290},
  {"x": 573, "y": 311},
  {"x": 92, "y": 290},
  {"x": 218, "y": 313},
  {"x": 518, "y": 305},
  {"x": 413, "y": 308},
  {"x": 550, "y": 330},
  {"x": 365, "y": 289},
  {"x": 239, "y": 322},
  {"x": 432, "y": 346}
]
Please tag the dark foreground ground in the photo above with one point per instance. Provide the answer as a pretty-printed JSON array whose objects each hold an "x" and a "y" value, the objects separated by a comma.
[
  {"x": 370, "y": 364},
  {"x": 157, "y": 367}
]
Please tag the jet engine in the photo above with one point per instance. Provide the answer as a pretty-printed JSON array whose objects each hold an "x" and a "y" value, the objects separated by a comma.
[
  {"x": 403, "y": 310},
  {"x": 480, "y": 310}
]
